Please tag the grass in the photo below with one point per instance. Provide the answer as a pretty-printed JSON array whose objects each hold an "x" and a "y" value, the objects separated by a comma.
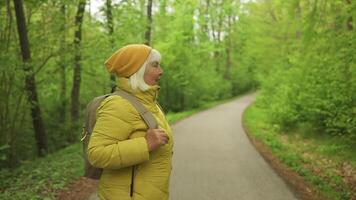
[
  {"x": 41, "y": 178},
  {"x": 328, "y": 163}
]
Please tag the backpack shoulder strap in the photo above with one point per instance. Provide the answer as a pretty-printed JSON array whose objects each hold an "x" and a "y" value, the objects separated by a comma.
[{"x": 145, "y": 114}]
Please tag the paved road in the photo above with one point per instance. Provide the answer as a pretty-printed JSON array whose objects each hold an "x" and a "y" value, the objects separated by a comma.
[{"x": 214, "y": 160}]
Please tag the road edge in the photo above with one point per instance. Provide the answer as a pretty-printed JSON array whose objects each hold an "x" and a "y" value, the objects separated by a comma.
[{"x": 301, "y": 189}]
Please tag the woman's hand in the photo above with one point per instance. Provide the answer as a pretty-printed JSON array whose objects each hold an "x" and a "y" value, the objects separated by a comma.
[{"x": 156, "y": 138}]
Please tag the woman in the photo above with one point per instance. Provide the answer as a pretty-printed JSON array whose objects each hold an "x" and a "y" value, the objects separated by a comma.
[{"x": 121, "y": 141}]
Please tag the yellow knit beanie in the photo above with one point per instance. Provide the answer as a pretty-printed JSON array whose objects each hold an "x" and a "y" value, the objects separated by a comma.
[{"x": 128, "y": 59}]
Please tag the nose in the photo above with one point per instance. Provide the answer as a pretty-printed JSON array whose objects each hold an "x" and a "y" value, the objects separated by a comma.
[{"x": 160, "y": 70}]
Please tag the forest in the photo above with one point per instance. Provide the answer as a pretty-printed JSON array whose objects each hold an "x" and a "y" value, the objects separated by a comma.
[{"x": 298, "y": 54}]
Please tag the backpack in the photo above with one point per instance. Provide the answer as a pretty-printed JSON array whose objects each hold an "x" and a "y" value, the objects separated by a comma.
[{"x": 89, "y": 123}]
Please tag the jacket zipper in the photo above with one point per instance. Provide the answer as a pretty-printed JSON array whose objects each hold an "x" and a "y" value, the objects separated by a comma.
[{"x": 132, "y": 181}]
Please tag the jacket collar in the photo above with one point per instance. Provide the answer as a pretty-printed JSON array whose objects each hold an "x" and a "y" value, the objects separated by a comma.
[{"x": 148, "y": 96}]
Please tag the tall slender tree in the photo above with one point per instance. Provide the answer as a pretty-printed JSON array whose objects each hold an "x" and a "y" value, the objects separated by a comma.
[
  {"x": 149, "y": 23},
  {"x": 349, "y": 20},
  {"x": 77, "y": 61},
  {"x": 110, "y": 22},
  {"x": 30, "y": 82},
  {"x": 62, "y": 64},
  {"x": 228, "y": 48},
  {"x": 110, "y": 25}
]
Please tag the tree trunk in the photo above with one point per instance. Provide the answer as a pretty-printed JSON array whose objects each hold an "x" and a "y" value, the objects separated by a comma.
[
  {"x": 77, "y": 59},
  {"x": 349, "y": 72},
  {"x": 298, "y": 17},
  {"x": 109, "y": 20},
  {"x": 162, "y": 7},
  {"x": 227, "y": 75},
  {"x": 8, "y": 29},
  {"x": 349, "y": 20},
  {"x": 216, "y": 28},
  {"x": 62, "y": 63},
  {"x": 206, "y": 18},
  {"x": 110, "y": 24},
  {"x": 149, "y": 23},
  {"x": 89, "y": 10},
  {"x": 16, "y": 121},
  {"x": 30, "y": 87}
]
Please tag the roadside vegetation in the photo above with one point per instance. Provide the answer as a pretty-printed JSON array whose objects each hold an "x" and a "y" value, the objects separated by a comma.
[{"x": 326, "y": 162}]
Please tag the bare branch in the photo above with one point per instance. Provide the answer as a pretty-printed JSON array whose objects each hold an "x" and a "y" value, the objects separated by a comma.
[{"x": 44, "y": 62}]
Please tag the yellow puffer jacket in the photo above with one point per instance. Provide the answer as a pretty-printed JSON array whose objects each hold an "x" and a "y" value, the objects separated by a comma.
[{"x": 117, "y": 144}]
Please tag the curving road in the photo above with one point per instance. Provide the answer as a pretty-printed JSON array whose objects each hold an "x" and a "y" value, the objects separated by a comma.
[{"x": 214, "y": 159}]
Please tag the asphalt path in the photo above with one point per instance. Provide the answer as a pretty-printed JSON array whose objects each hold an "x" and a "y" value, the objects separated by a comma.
[{"x": 214, "y": 160}]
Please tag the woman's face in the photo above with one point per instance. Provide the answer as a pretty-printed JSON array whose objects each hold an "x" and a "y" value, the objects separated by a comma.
[{"x": 153, "y": 73}]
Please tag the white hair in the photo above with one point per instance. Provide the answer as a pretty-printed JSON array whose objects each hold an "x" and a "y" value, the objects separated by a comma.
[{"x": 137, "y": 79}]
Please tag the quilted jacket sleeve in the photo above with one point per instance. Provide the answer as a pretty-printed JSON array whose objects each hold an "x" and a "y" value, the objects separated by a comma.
[{"x": 109, "y": 146}]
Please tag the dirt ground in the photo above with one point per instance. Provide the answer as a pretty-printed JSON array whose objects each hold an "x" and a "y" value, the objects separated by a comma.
[{"x": 79, "y": 190}]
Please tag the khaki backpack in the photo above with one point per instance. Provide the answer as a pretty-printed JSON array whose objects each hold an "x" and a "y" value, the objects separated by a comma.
[{"x": 90, "y": 119}]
